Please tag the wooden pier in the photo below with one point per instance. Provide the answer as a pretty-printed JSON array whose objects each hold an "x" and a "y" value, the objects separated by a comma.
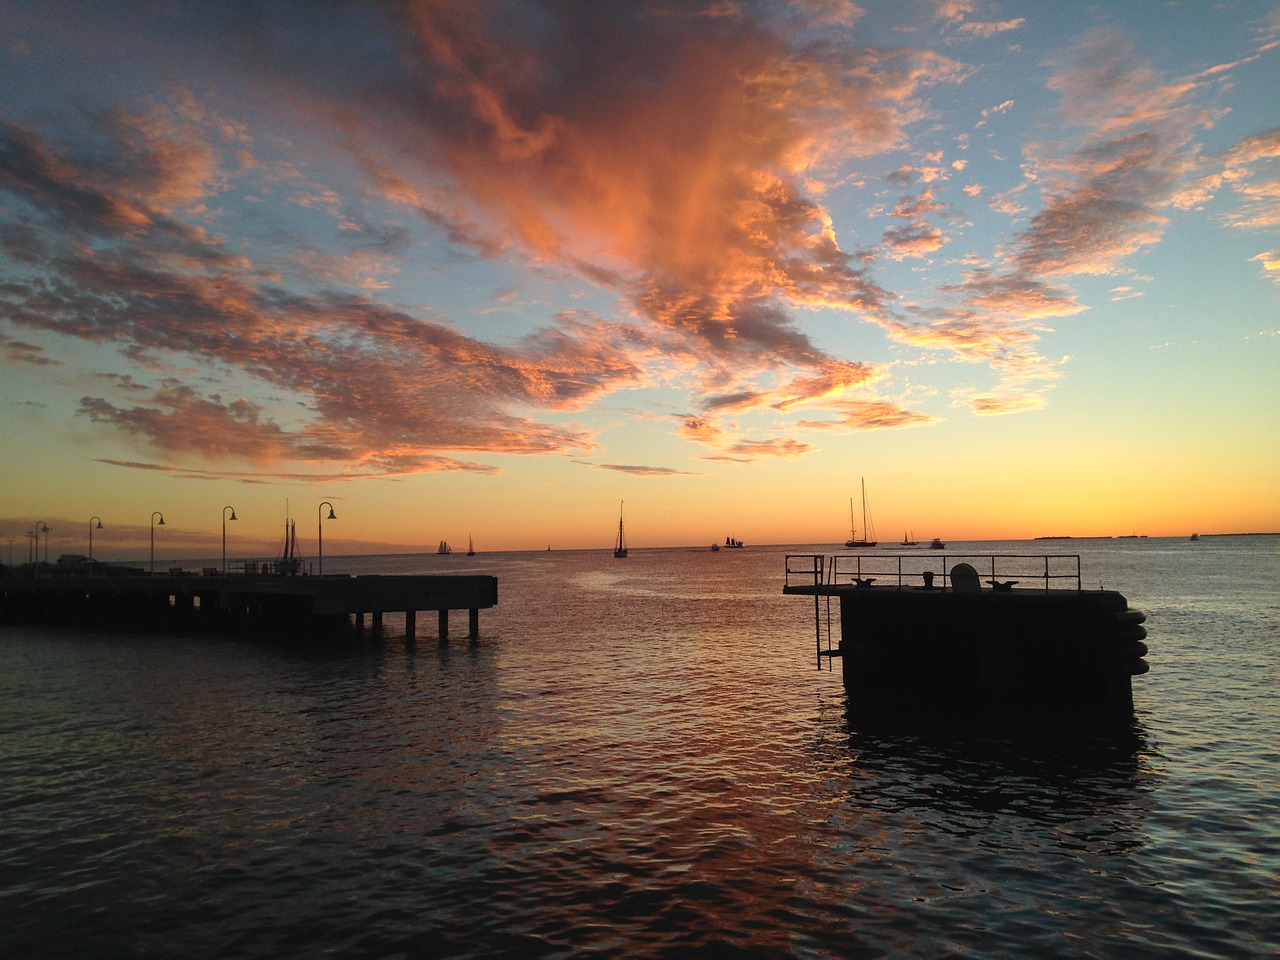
[{"x": 296, "y": 607}]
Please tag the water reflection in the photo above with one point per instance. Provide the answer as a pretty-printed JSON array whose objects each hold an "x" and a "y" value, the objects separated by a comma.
[{"x": 1078, "y": 789}]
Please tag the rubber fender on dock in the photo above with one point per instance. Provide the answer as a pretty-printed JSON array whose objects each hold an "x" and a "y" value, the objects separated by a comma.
[{"x": 1131, "y": 634}]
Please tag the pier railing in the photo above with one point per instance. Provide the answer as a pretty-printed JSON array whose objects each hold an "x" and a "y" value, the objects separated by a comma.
[{"x": 909, "y": 570}]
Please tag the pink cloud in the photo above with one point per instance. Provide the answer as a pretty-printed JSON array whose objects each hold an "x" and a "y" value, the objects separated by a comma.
[{"x": 991, "y": 29}]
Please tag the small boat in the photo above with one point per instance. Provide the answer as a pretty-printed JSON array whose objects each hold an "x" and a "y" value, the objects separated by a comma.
[
  {"x": 907, "y": 541},
  {"x": 620, "y": 548},
  {"x": 937, "y": 544},
  {"x": 730, "y": 542},
  {"x": 867, "y": 533},
  {"x": 1195, "y": 536},
  {"x": 444, "y": 547},
  {"x": 471, "y": 546},
  {"x": 715, "y": 548}
]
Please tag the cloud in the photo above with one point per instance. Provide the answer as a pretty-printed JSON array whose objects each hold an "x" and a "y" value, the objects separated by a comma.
[
  {"x": 917, "y": 240},
  {"x": 1270, "y": 261},
  {"x": 678, "y": 163},
  {"x": 642, "y": 471},
  {"x": 1104, "y": 200},
  {"x": 988, "y": 405},
  {"x": 952, "y": 11},
  {"x": 1127, "y": 149},
  {"x": 676, "y": 160},
  {"x": 17, "y": 351},
  {"x": 871, "y": 415},
  {"x": 990, "y": 29},
  {"x": 745, "y": 451}
]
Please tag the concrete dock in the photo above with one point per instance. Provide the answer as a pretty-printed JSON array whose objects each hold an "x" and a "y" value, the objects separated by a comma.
[
  {"x": 1026, "y": 633},
  {"x": 289, "y": 606}
]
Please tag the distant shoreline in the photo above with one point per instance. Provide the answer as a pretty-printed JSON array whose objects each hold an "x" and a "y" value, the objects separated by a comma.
[{"x": 1143, "y": 536}]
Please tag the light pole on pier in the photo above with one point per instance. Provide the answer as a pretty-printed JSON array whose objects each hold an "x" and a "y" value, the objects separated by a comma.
[
  {"x": 154, "y": 514},
  {"x": 41, "y": 525},
  {"x": 320, "y": 519},
  {"x": 225, "y": 518},
  {"x": 91, "y": 520}
]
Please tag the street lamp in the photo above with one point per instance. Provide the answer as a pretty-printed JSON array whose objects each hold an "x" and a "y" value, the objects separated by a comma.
[
  {"x": 320, "y": 518},
  {"x": 91, "y": 519},
  {"x": 154, "y": 514},
  {"x": 225, "y": 518},
  {"x": 41, "y": 525}
]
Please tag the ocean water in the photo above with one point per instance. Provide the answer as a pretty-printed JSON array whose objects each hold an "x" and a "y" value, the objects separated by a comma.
[{"x": 638, "y": 758}]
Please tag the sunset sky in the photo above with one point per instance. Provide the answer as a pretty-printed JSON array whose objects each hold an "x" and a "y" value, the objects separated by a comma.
[{"x": 475, "y": 267}]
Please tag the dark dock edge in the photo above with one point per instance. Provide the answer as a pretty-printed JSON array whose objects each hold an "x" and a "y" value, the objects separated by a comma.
[{"x": 289, "y": 606}]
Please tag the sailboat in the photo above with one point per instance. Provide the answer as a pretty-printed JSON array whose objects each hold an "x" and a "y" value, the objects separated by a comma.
[
  {"x": 444, "y": 547},
  {"x": 908, "y": 541},
  {"x": 867, "y": 532},
  {"x": 290, "y": 561},
  {"x": 471, "y": 546},
  {"x": 620, "y": 548}
]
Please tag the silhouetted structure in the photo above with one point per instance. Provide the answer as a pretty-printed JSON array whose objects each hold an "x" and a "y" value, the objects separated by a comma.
[
  {"x": 954, "y": 644},
  {"x": 305, "y": 607}
]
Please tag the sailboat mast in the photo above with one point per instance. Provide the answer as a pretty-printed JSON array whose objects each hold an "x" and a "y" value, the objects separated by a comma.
[
  {"x": 853, "y": 530},
  {"x": 865, "y": 531},
  {"x": 620, "y": 548}
]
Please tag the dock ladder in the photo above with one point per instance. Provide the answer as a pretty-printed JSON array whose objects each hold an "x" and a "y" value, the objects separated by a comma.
[{"x": 803, "y": 566}]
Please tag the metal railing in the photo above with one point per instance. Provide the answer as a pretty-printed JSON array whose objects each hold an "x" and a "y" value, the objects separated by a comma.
[
  {"x": 808, "y": 569},
  {"x": 1045, "y": 571},
  {"x": 268, "y": 567}
]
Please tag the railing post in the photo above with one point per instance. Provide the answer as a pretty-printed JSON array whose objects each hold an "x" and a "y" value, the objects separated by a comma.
[{"x": 817, "y": 561}]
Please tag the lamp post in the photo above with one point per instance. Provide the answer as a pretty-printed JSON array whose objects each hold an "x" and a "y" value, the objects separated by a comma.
[
  {"x": 91, "y": 520},
  {"x": 154, "y": 514},
  {"x": 320, "y": 519},
  {"x": 41, "y": 525},
  {"x": 225, "y": 518}
]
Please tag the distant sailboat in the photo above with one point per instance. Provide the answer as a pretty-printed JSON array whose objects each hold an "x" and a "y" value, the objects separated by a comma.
[
  {"x": 620, "y": 548},
  {"x": 471, "y": 546},
  {"x": 908, "y": 541},
  {"x": 290, "y": 561},
  {"x": 867, "y": 532},
  {"x": 444, "y": 547}
]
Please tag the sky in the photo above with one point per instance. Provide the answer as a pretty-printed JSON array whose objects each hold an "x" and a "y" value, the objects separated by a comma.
[{"x": 503, "y": 270}]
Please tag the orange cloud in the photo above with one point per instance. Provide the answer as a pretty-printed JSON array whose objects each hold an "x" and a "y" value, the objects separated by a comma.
[{"x": 679, "y": 158}]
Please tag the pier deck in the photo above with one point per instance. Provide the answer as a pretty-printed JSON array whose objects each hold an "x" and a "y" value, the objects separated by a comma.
[{"x": 290, "y": 605}]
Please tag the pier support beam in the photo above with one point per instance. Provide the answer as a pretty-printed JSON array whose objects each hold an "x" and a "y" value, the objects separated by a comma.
[
  {"x": 444, "y": 626},
  {"x": 473, "y": 624},
  {"x": 376, "y": 627},
  {"x": 410, "y": 625}
]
